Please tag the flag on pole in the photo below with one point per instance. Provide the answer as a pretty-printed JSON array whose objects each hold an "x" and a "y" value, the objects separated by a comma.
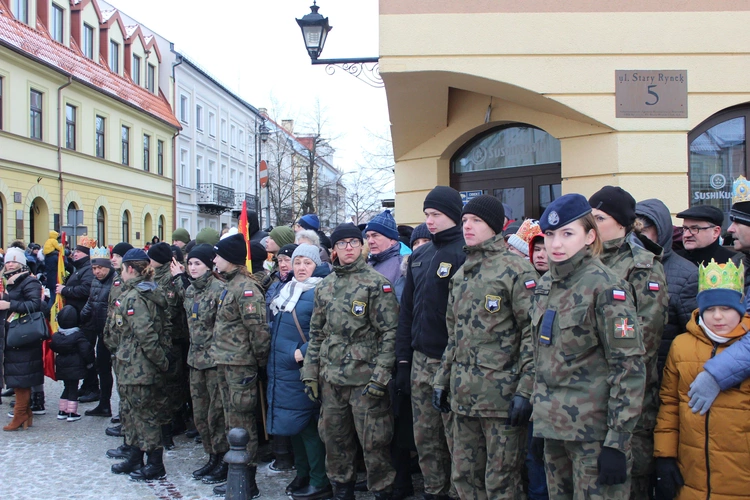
[{"x": 244, "y": 230}]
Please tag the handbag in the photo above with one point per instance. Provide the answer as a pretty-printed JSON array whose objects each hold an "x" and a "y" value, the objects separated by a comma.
[{"x": 27, "y": 329}]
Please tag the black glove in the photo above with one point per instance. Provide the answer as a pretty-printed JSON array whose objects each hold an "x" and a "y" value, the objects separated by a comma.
[
  {"x": 612, "y": 466},
  {"x": 403, "y": 378},
  {"x": 171, "y": 359},
  {"x": 440, "y": 401},
  {"x": 668, "y": 478},
  {"x": 537, "y": 449},
  {"x": 520, "y": 411},
  {"x": 263, "y": 374}
]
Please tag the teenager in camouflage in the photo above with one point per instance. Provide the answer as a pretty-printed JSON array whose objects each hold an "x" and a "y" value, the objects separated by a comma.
[
  {"x": 141, "y": 359},
  {"x": 637, "y": 260},
  {"x": 487, "y": 364},
  {"x": 348, "y": 365},
  {"x": 588, "y": 359},
  {"x": 240, "y": 345}
]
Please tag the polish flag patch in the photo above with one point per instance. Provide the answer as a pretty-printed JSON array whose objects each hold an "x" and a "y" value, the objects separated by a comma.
[
  {"x": 654, "y": 287},
  {"x": 117, "y": 303},
  {"x": 248, "y": 293},
  {"x": 618, "y": 294},
  {"x": 131, "y": 312},
  {"x": 530, "y": 284},
  {"x": 116, "y": 283},
  {"x": 387, "y": 288}
]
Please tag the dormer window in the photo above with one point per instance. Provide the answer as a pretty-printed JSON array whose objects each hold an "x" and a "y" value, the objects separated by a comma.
[
  {"x": 151, "y": 78},
  {"x": 136, "y": 69},
  {"x": 21, "y": 10},
  {"x": 56, "y": 24},
  {"x": 88, "y": 41},
  {"x": 114, "y": 56}
]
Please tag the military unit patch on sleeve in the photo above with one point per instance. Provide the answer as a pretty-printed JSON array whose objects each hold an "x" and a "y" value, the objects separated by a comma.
[
  {"x": 117, "y": 302},
  {"x": 248, "y": 293},
  {"x": 170, "y": 294},
  {"x": 251, "y": 308},
  {"x": 623, "y": 330},
  {"x": 444, "y": 269},
  {"x": 387, "y": 288},
  {"x": 492, "y": 303},
  {"x": 618, "y": 294},
  {"x": 530, "y": 284},
  {"x": 358, "y": 308},
  {"x": 652, "y": 286},
  {"x": 131, "y": 312}
]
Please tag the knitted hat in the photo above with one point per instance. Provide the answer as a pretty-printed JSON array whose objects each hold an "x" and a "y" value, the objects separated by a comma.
[
  {"x": 563, "y": 211},
  {"x": 344, "y": 231},
  {"x": 135, "y": 254},
  {"x": 310, "y": 251},
  {"x": 67, "y": 317},
  {"x": 121, "y": 248},
  {"x": 15, "y": 254},
  {"x": 385, "y": 224},
  {"x": 309, "y": 221},
  {"x": 512, "y": 228},
  {"x": 325, "y": 241},
  {"x": 721, "y": 285},
  {"x": 521, "y": 240},
  {"x": 258, "y": 255},
  {"x": 85, "y": 244},
  {"x": 181, "y": 234},
  {"x": 233, "y": 249},
  {"x": 287, "y": 250},
  {"x": 615, "y": 201},
  {"x": 404, "y": 233},
  {"x": 204, "y": 253},
  {"x": 282, "y": 235},
  {"x": 446, "y": 200},
  {"x": 207, "y": 235},
  {"x": 420, "y": 231},
  {"x": 489, "y": 209},
  {"x": 160, "y": 253}
]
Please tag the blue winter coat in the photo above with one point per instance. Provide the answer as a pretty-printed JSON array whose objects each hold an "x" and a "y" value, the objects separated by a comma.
[{"x": 289, "y": 408}]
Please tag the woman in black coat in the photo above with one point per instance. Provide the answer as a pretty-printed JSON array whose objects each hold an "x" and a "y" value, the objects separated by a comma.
[
  {"x": 22, "y": 366},
  {"x": 74, "y": 358}
]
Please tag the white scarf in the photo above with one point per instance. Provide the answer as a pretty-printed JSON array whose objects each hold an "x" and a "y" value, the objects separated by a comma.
[
  {"x": 716, "y": 338},
  {"x": 287, "y": 298}
]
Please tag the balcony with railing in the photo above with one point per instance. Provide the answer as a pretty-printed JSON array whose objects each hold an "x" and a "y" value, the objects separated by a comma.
[
  {"x": 214, "y": 198},
  {"x": 252, "y": 203}
]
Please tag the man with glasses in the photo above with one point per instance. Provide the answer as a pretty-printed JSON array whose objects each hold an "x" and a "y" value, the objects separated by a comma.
[
  {"x": 348, "y": 365},
  {"x": 701, "y": 228}
]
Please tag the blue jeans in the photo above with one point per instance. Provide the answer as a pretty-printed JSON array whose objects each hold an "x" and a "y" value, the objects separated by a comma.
[{"x": 535, "y": 471}]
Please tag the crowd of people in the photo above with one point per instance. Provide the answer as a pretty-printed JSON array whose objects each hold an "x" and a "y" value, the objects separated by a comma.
[{"x": 598, "y": 352}]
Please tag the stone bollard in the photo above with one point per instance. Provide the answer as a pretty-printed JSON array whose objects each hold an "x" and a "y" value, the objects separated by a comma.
[{"x": 238, "y": 477}]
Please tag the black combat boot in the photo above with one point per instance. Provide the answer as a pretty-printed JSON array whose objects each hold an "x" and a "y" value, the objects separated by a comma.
[
  {"x": 154, "y": 468},
  {"x": 115, "y": 431},
  {"x": 252, "y": 489},
  {"x": 213, "y": 461},
  {"x": 343, "y": 491},
  {"x": 166, "y": 437},
  {"x": 133, "y": 462},
  {"x": 37, "y": 403},
  {"x": 121, "y": 452},
  {"x": 218, "y": 474},
  {"x": 220, "y": 490}
]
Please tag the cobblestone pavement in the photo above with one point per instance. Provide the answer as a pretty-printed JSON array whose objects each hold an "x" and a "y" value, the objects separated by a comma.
[{"x": 56, "y": 459}]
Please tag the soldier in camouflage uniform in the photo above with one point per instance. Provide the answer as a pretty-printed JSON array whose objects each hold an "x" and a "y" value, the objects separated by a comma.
[
  {"x": 348, "y": 365},
  {"x": 589, "y": 373},
  {"x": 487, "y": 364},
  {"x": 637, "y": 260},
  {"x": 240, "y": 344},
  {"x": 141, "y": 360}
]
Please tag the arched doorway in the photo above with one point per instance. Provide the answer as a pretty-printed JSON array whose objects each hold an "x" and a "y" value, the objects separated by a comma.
[
  {"x": 161, "y": 228},
  {"x": 38, "y": 221},
  {"x": 126, "y": 226},
  {"x": 101, "y": 227},
  {"x": 148, "y": 228},
  {"x": 519, "y": 164}
]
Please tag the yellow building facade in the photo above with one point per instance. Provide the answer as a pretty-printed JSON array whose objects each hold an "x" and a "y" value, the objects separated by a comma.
[
  {"x": 520, "y": 99},
  {"x": 80, "y": 127}
]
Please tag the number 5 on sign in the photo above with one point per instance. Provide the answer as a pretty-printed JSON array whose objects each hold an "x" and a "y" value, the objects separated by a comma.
[
  {"x": 656, "y": 96},
  {"x": 651, "y": 94}
]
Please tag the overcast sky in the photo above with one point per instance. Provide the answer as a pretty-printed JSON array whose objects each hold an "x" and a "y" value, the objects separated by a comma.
[{"x": 256, "y": 49}]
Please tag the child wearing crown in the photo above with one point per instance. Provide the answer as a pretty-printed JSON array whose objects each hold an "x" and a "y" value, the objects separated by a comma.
[{"x": 705, "y": 455}]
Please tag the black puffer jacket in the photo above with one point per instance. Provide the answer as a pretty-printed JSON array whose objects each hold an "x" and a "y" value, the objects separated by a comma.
[
  {"x": 23, "y": 366},
  {"x": 78, "y": 288},
  {"x": 94, "y": 313},
  {"x": 682, "y": 276},
  {"x": 74, "y": 354}
]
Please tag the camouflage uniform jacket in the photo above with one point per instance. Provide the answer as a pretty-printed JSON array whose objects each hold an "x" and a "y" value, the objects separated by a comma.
[
  {"x": 638, "y": 261},
  {"x": 178, "y": 331},
  {"x": 241, "y": 333},
  {"x": 590, "y": 376},
  {"x": 201, "y": 300},
  {"x": 489, "y": 356},
  {"x": 110, "y": 339},
  {"x": 141, "y": 355},
  {"x": 353, "y": 328}
]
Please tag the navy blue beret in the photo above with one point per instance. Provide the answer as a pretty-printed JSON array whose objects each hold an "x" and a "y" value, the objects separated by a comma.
[{"x": 563, "y": 211}]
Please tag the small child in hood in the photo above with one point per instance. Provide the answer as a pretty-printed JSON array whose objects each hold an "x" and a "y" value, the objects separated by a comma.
[
  {"x": 705, "y": 455},
  {"x": 74, "y": 357}
]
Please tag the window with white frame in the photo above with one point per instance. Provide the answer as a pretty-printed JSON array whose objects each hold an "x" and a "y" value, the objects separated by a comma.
[
  {"x": 242, "y": 140},
  {"x": 211, "y": 124},
  {"x": 151, "y": 78},
  {"x": 223, "y": 180},
  {"x": 88, "y": 41},
  {"x": 56, "y": 23},
  {"x": 160, "y": 157},
  {"x": 99, "y": 140},
  {"x": 35, "y": 122},
  {"x": 114, "y": 56},
  {"x": 198, "y": 170},
  {"x": 21, "y": 10},
  {"x": 233, "y": 135},
  {"x": 223, "y": 130},
  {"x": 183, "y": 108},
  {"x": 199, "y": 117},
  {"x": 136, "y": 70},
  {"x": 70, "y": 126},
  {"x": 211, "y": 169},
  {"x": 184, "y": 173},
  {"x": 233, "y": 179},
  {"x": 146, "y": 152}
]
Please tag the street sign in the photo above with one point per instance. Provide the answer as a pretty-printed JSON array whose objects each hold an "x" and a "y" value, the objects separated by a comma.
[
  {"x": 651, "y": 94},
  {"x": 468, "y": 195},
  {"x": 263, "y": 173}
]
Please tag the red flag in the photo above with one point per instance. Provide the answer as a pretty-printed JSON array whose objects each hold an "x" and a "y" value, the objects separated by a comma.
[{"x": 244, "y": 229}]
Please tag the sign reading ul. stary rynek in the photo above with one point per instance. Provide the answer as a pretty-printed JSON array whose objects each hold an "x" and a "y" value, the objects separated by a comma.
[{"x": 651, "y": 94}]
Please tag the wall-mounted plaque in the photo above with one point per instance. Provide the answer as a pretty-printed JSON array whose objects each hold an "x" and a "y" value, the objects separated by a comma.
[{"x": 651, "y": 94}]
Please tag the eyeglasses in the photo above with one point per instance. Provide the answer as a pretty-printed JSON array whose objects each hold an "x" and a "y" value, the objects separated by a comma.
[
  {"x": 694, "y": 230},
  {"x": 352, "y": 243}
]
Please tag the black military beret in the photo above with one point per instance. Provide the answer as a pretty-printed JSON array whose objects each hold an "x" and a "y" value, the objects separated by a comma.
[
  {"x": 563, "y": 211},
  {"x": 707, "y": 213}
]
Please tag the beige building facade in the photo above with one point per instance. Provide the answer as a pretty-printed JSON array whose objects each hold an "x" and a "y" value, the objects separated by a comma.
[{"x": 519, "y": 99}]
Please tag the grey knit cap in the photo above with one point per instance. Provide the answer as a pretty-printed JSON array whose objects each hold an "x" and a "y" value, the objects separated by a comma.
[{"x": 310, "y": 251}]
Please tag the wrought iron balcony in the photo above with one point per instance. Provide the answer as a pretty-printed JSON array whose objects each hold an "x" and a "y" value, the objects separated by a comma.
[
  {"x": 252, "y": 203},
  {"x": 214, "y": 198}
]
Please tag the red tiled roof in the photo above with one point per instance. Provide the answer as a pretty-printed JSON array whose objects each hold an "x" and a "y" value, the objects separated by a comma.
[{"x": 28, "y": 41}]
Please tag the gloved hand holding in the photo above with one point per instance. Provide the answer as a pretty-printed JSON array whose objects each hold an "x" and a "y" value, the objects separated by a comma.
[
  {"x": 702, "y": 393},
  {"x": 519, "y": 412},
  {"x": 668, "y": 478},
  {"x": 612, "y": 466},
  {"x": 537, "y": 449},
  {"x": 311, "y": 389},
  {"x": 440, "y": 400},
  {"x": 374, "y": 389},
  {"x": 403, "y": 378}
]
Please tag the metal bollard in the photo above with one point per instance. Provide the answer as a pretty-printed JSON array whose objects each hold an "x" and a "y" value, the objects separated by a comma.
[{"x": 238, "y": 477}]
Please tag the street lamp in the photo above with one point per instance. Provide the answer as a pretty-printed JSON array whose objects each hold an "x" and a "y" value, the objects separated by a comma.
[
  {"x": 262, "y": 132},
  {"x": 315, "y": 30}
]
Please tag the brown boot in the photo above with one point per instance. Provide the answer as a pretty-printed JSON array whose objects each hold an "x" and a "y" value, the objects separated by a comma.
[{"x": 21, "y": 412}]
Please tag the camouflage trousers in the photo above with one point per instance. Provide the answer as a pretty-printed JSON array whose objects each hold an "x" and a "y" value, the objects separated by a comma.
[
  {"x": 345, "y": 411},
  {"x": 140, "y": 417},
  {"x": 208, "y": 410},
  {"x": 177, "y": 382},
  {"x": 572, "y": 472},
  {"x": 488, "y": 457},
  {"x": 123, "y": 409},
  {"x": 432, "y": 429},
  {"x": 644, "y": 466},
  {"x": 238, "y": 385}
]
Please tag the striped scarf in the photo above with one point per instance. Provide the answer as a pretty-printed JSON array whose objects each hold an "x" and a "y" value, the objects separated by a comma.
[{"x": 287, "y": 298}]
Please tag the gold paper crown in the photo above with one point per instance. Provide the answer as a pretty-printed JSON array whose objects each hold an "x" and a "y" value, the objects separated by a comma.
[
  {"x": 740, "y": 190},
  {"x": 99, "y": 253},
  {"x": 721, "y": 276},
  {"x": 87, "y": 242}
]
